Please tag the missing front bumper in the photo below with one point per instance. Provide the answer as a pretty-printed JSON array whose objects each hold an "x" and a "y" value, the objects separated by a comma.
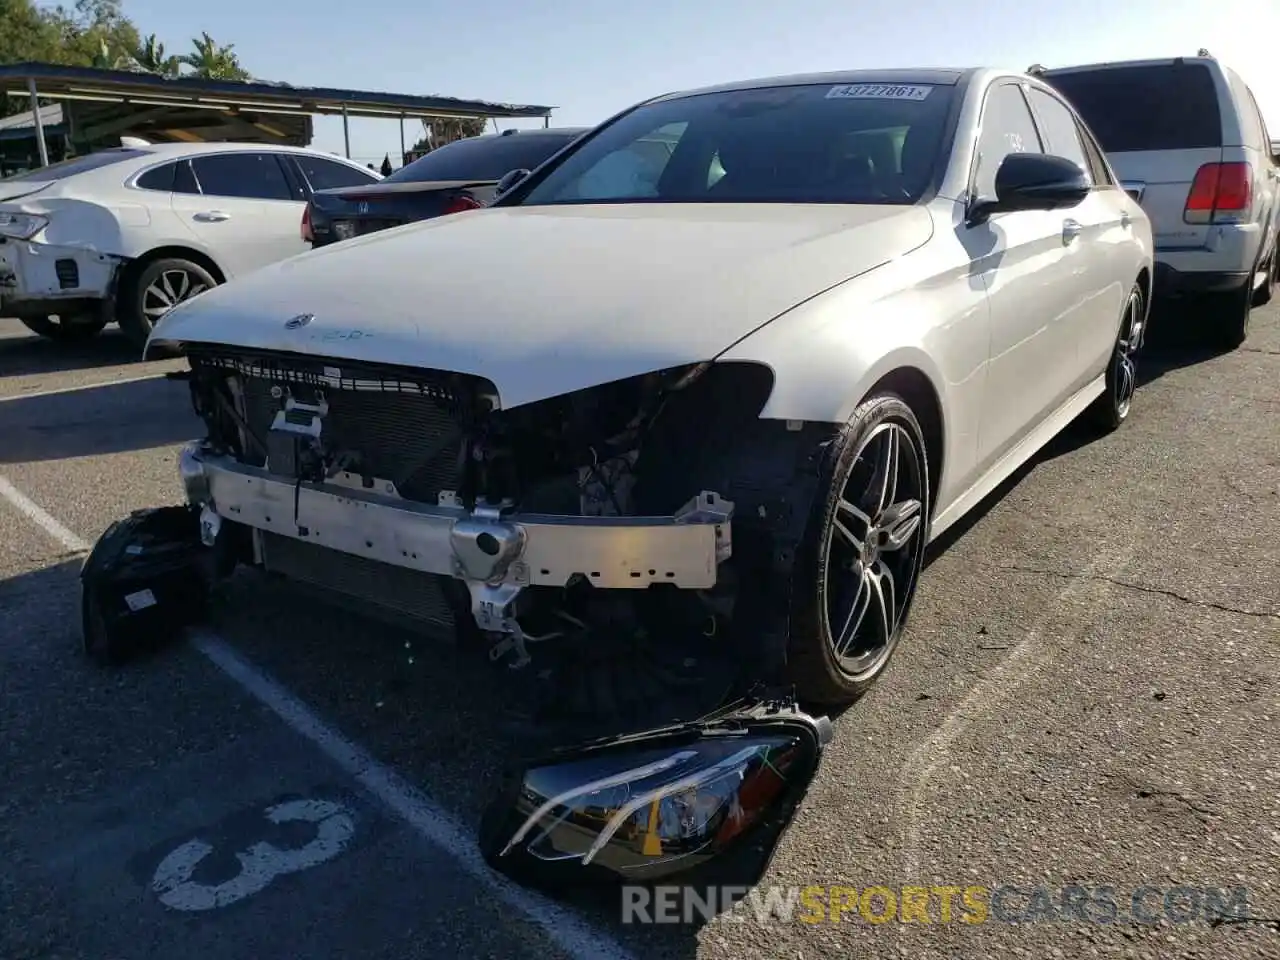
[{"x": 495, "y": 551}]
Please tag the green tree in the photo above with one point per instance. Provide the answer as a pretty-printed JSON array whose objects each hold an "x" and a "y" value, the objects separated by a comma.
[
  {"x": 150, "y": 57},
  {"x": 214, "y": 62},
  {"x": 96, "y": 33}
]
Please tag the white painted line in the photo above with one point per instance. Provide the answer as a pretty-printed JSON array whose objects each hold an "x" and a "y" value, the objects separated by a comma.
[
  {"x": 33, "y": 512},
  {"x": 565, "y": 927},
  {"x": 1029, "y": 658},
  {"x": 80, "y": 386}
]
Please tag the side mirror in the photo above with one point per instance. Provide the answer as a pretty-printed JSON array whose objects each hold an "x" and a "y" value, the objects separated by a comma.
[
  {"x": 640, "y": 806},
  {"x": 509, "y": 180},
  {"x": 1034, "y": 181}
]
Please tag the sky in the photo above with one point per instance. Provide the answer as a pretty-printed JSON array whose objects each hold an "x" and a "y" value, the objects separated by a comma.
[{"x": 592, "y": 58}]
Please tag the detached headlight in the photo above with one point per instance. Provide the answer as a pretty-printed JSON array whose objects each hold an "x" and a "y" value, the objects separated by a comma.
[
  {"x": 653, "y": 804},
  {"x": 21, "y": 226}
]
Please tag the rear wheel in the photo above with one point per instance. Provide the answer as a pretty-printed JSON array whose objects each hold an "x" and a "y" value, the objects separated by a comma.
[
  {"x": 155, "y": 289},
  {"x": 70, "y": 329},
  {"x": 1226, "y": 316},
  {"x": 1263, "y": 294},
  {"x": 1112, "y": 408},
  {"x": 863, "y": 550}
]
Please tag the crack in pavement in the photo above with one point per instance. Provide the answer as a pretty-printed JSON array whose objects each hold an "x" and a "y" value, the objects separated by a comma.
[
  {"x": 1140, "y": 588},
  {"x": 1271, "y": 353}
]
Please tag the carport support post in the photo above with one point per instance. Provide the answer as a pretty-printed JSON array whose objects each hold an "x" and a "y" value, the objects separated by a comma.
[
  {"x": 35, "y": 115},
  {"x": 346, "y": 132},
  {"x": 402, "y": 139}
]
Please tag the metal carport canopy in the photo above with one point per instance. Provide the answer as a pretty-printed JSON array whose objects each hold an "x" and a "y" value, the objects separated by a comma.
[{"x": 56, "y": 82}]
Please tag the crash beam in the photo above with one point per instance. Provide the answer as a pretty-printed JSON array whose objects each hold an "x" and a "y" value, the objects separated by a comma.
[{"x": 489, "y": 544}]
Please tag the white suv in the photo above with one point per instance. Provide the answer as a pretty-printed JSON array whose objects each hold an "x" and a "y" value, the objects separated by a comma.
[
  {"x": 127, "y": 233},
  {"x": 1187, "y": 138}
]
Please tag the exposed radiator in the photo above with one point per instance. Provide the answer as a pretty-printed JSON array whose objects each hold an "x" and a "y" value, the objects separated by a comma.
[
  {"x": 411, "y": 440},
  {"x": 418, "y": 596}
]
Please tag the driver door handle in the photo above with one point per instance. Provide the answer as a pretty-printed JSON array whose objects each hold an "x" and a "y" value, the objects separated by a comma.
[
  {"x": 1070, "y": 230},
  {"x": 211, "y": 216},
  {"x": 1126, "y": 221}
]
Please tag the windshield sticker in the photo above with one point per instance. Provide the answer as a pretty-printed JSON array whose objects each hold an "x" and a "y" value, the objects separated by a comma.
[{"x": 879, "y": 91}]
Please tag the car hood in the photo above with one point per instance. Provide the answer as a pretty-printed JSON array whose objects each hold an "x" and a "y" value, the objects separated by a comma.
[{"x": 543, "y": 301}]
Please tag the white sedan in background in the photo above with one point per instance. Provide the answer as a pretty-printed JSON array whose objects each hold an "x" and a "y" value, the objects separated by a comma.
[
  {"x": 126, "y": 233},
  {"x": 734, "y": 398}
]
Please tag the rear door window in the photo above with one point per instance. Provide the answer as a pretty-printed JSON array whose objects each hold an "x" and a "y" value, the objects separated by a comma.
[
  {"x": 254, "y": 176},
  {"x": 1159, "y": 107}
]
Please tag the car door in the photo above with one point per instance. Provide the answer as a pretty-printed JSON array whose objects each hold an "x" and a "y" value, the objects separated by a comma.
[
  {"x": 245, "y": 211},
  {"x": 1032, "y": 265},
  {"x": 1103, "y": 256}
]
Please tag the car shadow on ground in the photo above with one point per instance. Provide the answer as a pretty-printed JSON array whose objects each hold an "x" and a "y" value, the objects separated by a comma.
[
  {"x": 24, "y": 356},
  {"x": 1175, "y": 339},
  {"x": 114, "y": 418}
]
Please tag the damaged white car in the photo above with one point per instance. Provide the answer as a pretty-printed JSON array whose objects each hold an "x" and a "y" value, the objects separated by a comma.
[
  {"x": 732, "y": 394},
  {"x": 127, "y": 233}
]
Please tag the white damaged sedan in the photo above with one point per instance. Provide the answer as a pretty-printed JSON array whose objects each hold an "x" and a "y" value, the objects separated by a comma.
[{"x": 725, "y": 366}]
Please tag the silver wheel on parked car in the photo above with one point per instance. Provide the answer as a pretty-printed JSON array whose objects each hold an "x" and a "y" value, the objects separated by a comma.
[
  {"x": 151, "y": 291},
  {"x": 854, "y": 589},
  {"x": 872, "y": 545},
  {"x": 169, "y": 289}
]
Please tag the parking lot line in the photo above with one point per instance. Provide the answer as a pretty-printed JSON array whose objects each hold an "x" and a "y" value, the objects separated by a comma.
[
  {"x": 563, "y": 926},
  {"x": 81, "y": 386},
  {"x": 37, "y": 515}
]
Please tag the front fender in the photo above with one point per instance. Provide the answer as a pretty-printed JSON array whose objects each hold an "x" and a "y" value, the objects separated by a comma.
[{"x": 926, "y": 312}]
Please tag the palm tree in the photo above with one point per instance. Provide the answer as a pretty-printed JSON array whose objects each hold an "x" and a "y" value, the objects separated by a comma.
[
  {"x": 213, "y": 62},
  {"x": 106, "y": 59},
  {"x": 150, "y": 56}
]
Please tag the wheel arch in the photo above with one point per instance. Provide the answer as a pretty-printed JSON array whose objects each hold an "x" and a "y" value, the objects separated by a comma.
[
  {"x": 917, "y": 390},
  {"x": 177, "y": 251}
]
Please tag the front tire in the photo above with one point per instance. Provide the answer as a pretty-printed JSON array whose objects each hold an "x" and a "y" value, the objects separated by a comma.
[
  {"x": 155, "y": 289},
  {"x": 862, "y": 553}
]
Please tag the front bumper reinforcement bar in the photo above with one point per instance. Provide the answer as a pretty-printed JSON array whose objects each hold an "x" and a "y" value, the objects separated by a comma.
[{"x": 496, "y": 551}]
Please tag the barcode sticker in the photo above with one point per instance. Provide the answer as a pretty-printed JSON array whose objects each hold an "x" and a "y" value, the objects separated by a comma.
[
  {"x": 140, "y": 600},
  {"x": 879, "y": 91}
]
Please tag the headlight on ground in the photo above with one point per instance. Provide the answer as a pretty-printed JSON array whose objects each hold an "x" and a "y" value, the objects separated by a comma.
[
  {"x": 21, "y": 226},
  {"x": 652, "y": 804}
]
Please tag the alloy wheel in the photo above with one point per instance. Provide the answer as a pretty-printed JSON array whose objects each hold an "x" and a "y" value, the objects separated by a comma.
[
  {"x": 874, "y": 549},
  {"x": 170, "y": 288},
  {"x": 1126, "y": 372}
]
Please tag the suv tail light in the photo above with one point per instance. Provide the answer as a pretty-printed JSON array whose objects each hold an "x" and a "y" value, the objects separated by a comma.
[
  {"x": 1220, "y": 193},
  {"x": 306, "y": 224},
  {"x": 460, "y": 203}
]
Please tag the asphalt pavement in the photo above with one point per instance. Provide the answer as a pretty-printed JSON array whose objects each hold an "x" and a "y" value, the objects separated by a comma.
[{"x": 1073, "y": 753}]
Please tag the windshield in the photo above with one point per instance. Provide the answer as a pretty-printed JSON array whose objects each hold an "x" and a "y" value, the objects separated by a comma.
[
  {"x": 68, "y": 168},
  {"x": 484, "y": 158},
  {"x": 844, "y": 143}
]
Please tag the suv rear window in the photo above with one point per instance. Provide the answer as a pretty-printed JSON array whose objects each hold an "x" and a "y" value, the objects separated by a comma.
[{"x": 1165, "y": 107}]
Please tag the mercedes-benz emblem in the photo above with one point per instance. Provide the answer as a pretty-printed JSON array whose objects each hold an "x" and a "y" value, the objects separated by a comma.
[{"x": 301, "y": 320}]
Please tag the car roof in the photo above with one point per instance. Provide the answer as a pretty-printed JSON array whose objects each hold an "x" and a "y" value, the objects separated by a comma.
[
  {"x": 1120, "y": 64},
  {"x": 175, "y": 150},
  {"x": 936, "y": 76},
  {"x": 533, "y": 132}
]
